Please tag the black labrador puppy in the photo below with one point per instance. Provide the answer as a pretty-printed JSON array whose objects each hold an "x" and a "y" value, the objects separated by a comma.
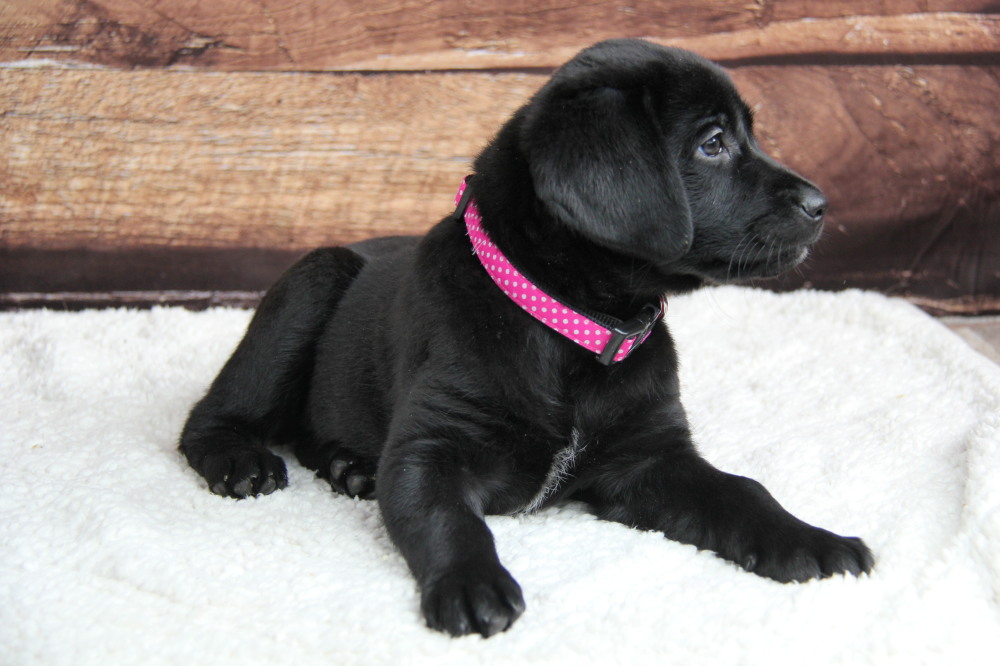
[{"x": 514, "y": 356}]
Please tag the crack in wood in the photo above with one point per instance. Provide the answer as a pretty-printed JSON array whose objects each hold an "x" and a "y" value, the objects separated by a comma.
[
  {"x": 763, "y": 11},
  {"x": 276, "y": 32},
  {"x": 195, "y": 47}
]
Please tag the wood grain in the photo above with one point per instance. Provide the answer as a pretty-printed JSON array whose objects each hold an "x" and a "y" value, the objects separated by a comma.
[
  {"x": 393, "y": 35},
  {"x": 103, "y": 159}
]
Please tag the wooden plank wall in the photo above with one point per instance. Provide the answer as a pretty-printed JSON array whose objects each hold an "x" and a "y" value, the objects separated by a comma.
[{"x": 184, "y": 151}]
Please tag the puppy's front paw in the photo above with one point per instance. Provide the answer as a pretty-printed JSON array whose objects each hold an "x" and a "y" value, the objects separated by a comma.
[
  {"x": 474, "y": 598},
  {"x": 801, "y": 553},
  {"x": 240, "y": 472},
  {"x": 746, "y": 525}
]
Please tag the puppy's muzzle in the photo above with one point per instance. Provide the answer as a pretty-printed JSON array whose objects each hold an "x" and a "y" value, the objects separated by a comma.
[{"x": 813, "y": 204}]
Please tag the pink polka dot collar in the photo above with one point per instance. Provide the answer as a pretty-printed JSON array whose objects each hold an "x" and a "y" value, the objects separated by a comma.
[{"x": 611, "y": 339}]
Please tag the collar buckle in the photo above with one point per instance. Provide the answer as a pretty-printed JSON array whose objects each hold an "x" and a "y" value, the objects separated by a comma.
[{"x": 634, "y": 331}]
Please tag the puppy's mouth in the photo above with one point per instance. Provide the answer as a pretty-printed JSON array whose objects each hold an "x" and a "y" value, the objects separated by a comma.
[{"x": 755, "y": 262}]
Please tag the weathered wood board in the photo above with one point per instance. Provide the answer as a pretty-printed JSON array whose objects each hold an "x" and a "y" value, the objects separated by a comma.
[
  {"x": 199, "y": 147},
  {"x": 109, "y": 159},
  {"x": 312, "y": 35}
]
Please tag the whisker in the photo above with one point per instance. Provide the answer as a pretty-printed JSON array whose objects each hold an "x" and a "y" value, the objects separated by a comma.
[
  {"x": 738, "y": 252},
  {"x": 753, "y": 251}
]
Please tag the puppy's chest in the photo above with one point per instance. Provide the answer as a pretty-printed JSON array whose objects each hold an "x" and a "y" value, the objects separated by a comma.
[{"x": 561, "y": 467}]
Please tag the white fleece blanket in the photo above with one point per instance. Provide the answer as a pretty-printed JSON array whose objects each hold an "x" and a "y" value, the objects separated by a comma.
[{"x": 858, "y": 412}]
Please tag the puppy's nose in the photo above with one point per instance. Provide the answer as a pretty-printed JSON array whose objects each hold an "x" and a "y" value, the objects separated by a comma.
[{"x": 814, "y": 204}]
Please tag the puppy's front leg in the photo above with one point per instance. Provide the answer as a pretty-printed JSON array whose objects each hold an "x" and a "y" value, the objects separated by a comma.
[
  {"x": 432, "y": 504},
  {"x": 659, "y": 482}
]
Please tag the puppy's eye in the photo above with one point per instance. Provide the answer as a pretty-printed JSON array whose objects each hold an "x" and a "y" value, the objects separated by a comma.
[{"x": 714, "y": 146}]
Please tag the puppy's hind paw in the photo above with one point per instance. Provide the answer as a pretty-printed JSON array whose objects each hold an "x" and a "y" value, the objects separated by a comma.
[
  {"x": 241, "y": 472},
  {"x": 351, "y": 476}
]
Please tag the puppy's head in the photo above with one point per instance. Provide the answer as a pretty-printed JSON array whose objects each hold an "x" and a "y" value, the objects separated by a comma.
[{"x": 649, "y": 151}]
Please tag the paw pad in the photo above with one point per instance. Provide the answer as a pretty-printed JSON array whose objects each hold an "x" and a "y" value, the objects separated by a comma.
[{"x": 352, "y": 477}]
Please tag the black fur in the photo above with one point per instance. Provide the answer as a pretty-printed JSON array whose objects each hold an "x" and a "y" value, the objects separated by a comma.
[{"x": 397, "y": 369}]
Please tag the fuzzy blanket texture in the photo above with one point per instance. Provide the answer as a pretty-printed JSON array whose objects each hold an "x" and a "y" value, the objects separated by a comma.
[{"x": 860, "y": 414}]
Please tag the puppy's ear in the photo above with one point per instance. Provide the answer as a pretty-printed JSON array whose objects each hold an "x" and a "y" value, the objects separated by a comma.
[{"x": 600, "y": 164}]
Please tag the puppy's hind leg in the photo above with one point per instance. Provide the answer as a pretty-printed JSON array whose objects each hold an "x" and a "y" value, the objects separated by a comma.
[
  {"x": 347, "y": 473},
  {"x": 258, "y": 396}
]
